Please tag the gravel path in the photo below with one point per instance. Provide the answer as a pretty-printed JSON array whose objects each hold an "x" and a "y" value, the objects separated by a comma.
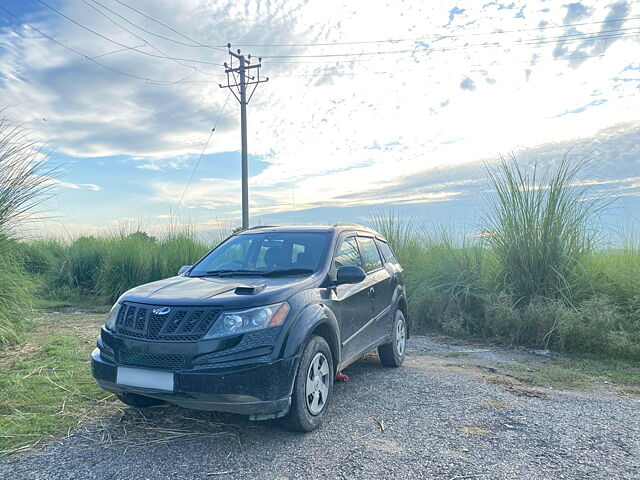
[{"x": 447, "y": 414}]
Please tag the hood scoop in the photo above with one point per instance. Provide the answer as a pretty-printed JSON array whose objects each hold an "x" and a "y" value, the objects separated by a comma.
[{"x": 249, "y": 289}]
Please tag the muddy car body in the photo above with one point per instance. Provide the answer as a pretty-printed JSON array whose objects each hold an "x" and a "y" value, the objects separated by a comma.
[{"x": 260, "y": 326}]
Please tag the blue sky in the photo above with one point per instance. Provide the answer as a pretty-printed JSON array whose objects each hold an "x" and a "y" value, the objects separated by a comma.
[{"x": 369, "y": 106}]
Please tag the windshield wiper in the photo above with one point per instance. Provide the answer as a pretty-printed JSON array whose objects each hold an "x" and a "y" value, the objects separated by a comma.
[
  {"x": 287, "y": 271},
  {"x": 231, "y": 273}
]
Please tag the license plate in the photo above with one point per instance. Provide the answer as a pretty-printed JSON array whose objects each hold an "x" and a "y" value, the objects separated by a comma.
[{"x": 138, "y": 377}]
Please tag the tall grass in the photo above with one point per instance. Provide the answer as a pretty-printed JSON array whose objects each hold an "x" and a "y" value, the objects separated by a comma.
[
  {"x": 105, "y": 267},
  {"x": 537, "y": 276},
  {"x": 401, "y": 234},
  {"x": 15, "y": 294},
  {"x": 25, "y": 178},
  {"x": 538, "y": 229},
  {"x": 24, "y": 184}
]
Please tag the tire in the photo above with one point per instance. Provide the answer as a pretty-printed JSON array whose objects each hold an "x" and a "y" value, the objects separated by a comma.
[
  {"x": 138, "y": 401},
  {"x": 392, "y": 354},
  {"x": 308, "y": 409}
]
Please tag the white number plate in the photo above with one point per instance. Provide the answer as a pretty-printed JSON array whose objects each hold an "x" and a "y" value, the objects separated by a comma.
[{"x": 138, "y": 377}]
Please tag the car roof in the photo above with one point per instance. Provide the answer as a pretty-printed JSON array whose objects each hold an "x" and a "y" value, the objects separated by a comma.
[{"x": 338, "y": 227}]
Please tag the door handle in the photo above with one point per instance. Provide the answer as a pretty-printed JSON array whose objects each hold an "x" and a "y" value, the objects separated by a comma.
[{"x": 372, "y": 293}]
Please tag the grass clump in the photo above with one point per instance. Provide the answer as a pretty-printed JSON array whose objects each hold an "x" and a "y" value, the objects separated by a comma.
[
  {"x": 104, "y": 267},
  {"x": 24, "y": 183},
  {"x": 537, "y": 276},
  {"x": 538, "y": 230},
  {"x": 15, "y": 295}
]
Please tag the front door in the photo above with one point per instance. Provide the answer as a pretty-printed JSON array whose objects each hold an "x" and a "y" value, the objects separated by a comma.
[{"x": 355, "y": 304}]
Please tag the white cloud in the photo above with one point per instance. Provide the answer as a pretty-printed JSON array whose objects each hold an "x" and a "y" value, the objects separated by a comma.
[
  {"x": 75, "y": 186},
  {"x": 329, "y": 130}
]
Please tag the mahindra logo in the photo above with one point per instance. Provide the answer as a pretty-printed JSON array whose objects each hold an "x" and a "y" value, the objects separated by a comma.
[{"x": 161, "y": 311}]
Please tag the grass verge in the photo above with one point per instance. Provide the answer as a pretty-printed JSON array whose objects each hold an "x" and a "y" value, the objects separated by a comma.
[
  {"x": 46, "y": 387},
  {"x": 580, "y": 373}
]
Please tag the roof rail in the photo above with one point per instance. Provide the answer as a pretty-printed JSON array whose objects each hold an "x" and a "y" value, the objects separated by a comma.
[
  {"x": 261, "y": 226},
  {"x": 348, "y": 224}
]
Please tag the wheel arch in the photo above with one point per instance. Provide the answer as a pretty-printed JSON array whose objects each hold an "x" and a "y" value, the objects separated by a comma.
[
  {"x": 318, "y": 320},
  {"x": 324, "y": 330},
  {"x": 400, "y": 302}
]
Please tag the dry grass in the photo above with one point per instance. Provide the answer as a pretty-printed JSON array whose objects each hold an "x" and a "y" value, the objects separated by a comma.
[{"x": 46, "y": 387}]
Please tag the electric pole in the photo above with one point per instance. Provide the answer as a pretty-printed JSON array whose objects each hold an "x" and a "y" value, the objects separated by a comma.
[{"x": 239, "y": 85}]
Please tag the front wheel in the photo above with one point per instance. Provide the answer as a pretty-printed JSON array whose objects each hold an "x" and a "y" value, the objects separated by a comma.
[
  {"x": 392, "y": 354},
  {"x": 313, "y": 387}
]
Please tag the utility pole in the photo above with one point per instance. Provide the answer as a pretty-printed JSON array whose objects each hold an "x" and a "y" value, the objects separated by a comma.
[{"x": 239, "y": 84}]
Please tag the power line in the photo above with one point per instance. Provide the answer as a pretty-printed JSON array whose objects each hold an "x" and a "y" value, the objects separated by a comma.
[
  {"x": 137, "y": 36},
  {"x": 327, "y": 73},
  {"x": 122, "y": 44},
  {"x": 437, "y": 37},
  {"x": 91, "y": 59},
  {"x": 201, "y": 154},
  {"x": 172, "y": 29},
  {"x": 153, "y": 33},
  {"x": 415, "y": 70},
  {"x": 561, "y": 40}
]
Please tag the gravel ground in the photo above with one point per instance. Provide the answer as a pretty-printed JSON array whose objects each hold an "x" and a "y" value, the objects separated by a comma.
[{"x": 449, "y": 413}]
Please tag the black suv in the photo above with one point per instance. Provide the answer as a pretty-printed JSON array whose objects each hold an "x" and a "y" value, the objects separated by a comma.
[{"x": 260, "y": 326}]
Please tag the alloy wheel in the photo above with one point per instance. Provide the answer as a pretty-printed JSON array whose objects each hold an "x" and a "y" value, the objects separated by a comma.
[
  {"x": 401, "y": 337},
  {"x": 317, "y": 385}
]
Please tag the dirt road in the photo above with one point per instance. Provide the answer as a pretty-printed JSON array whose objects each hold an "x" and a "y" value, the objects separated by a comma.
[{"x": 449, "y": 413}]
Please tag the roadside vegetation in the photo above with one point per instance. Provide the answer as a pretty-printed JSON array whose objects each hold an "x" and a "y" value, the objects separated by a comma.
[
  {"x": 24, "y": 182},
  {"x": 538, "y": 275},
  {"x": 101, "y": 268}
]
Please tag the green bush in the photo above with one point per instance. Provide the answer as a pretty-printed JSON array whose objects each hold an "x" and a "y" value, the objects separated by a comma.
[
  {"x": 25, "y": 181},
  {"x": 134, "y": 259},
  {"x": 15, "y": 294},
  {"x": 615, "y": 274},
  {"x": 79, "y": 265},
  {"x": 178, "y": 250},
  {"x": 534, "y": 278},
  {"x": 445, "y": 283},
  {"x": 39, "y": 256}
]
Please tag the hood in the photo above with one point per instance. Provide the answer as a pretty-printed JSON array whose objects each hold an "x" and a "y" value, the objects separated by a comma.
[{"x": 235, "y": 292}]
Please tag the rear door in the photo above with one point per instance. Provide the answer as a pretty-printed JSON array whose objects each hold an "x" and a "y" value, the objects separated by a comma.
[
  {"x": 355, "y": 306},
  {"x": 381, "y": 281}
]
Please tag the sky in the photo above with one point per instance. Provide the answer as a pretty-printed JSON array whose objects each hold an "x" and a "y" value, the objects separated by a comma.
[{"x": 370, "y": 106}]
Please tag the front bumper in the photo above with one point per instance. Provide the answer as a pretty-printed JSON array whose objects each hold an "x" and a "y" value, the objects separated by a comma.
[{"x": 257, "y": 386}]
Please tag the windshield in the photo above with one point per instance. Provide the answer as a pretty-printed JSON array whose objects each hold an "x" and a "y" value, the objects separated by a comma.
[{"x": 265, "y": 254}]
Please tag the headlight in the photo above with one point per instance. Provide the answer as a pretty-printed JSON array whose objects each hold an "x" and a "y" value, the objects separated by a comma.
[
  {"x": 110, "y": 324},
  {"x": 242, "y": 321}
]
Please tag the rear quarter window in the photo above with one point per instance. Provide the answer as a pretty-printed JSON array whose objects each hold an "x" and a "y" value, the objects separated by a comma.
[{"x": 386, "y": 251}]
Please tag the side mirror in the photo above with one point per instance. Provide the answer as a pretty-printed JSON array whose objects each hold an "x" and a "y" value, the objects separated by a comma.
[
  {"x": 350, "y": 274},
  {"x": 184, "y": 269}
]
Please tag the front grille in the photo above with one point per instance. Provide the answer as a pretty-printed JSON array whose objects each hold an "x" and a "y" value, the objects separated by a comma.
[
  {"x": 181, "y": 324},
  {"x": 152, "y": 360}
]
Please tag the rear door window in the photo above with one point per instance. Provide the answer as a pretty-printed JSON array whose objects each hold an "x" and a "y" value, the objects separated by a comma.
[
  {"x": 349, "y": 254},
  {"x": 370, "y": 254}
]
